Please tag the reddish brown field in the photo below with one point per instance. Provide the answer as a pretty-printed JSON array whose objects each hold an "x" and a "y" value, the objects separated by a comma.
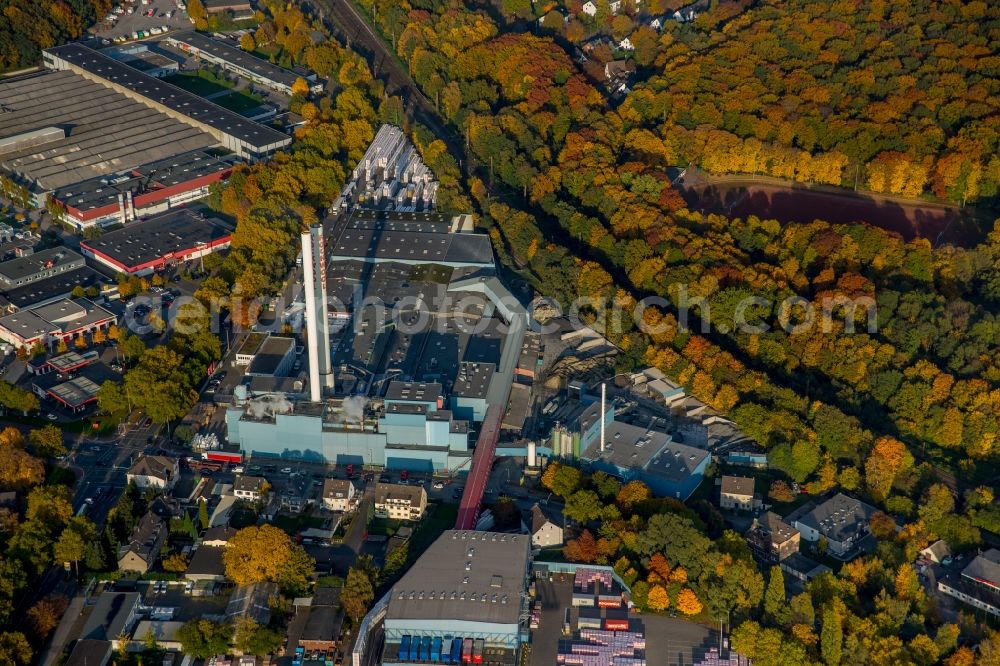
[{"x": 800, "y": 204}]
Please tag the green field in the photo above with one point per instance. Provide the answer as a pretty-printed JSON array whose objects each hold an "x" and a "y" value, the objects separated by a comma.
[
  {"x": 237, "y": 101},
  {"x": 200, "y": 83}
]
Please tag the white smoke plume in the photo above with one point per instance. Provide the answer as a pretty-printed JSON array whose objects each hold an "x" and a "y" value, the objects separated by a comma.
[
  {"x": 354, "y": 408},
  {"x": 269, "y": 406}
]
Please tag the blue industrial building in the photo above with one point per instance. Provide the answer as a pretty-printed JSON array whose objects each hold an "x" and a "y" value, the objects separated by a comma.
[{"x": 463, "y": 601}]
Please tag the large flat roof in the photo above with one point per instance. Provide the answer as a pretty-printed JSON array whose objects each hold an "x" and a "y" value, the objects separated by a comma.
[
  {"x": 171, "y": 96},
  {"x": 146, "y": 178},
  {"x": 46, "y": 289},
  {"x": 142, "y": 242},
  {"x": 28, "y": 265},
  {"x": 234, "y": 54},
  {"x": 408, "y": 237},
  {"x": 464, "y": 575},
  {"x": 106, "y": 131}
]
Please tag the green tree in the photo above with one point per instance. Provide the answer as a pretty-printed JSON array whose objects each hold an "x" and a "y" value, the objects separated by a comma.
[
  {"x": 47, "y": 441},
  {"x": 203, "y": 638},
  {"x": 831, "y": 636},
  {"x": 395, "y": 561},
  {"x": 252, "y": 638},
  {"x": 357, "y": 594},
  {"x": 50, "y": 505},
  {"x": 72, "y": 543},
  {"x": 203, "y": 515},
  {"x": 583, "y": 506},
  {"x": 563, "y": 480},
  {"x": 14, "y": 649},
  {"x": 18, "y": 399},
  {"x": 775, "y": 602}
]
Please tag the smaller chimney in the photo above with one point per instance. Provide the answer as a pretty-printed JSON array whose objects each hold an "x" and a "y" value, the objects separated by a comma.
[{"x": 604, "y": 395}]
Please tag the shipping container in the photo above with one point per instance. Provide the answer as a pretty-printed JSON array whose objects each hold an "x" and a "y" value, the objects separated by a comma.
[
  {"x": 436, "y": 650},
  {"x": 467, "y": 651},
  {"x": 404, "y": 649},
  {"x": 456, "y": 651},
  {"x": 615, "y": 624},
  {"x": 477, "y": 651}
]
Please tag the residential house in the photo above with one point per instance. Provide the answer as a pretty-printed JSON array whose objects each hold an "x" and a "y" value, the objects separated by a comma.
[
  {"x": 90, "y": 652},
  {"x": 841, "y": 520},
  {"x": 937, "y": 552},
  {"x": 252, "y": 601},
  {"x": 657, "y": 22},
  {"x": 615, "y": 6},
  {"x": 979, "y": 583},
  {"x": 297, "y": 494},
  {"x": 399, "y": 502},
  {"x": 338, "y": 494},
  {"x": 207, "y": 564},
  {"x": 546, "y": 529},
  {"x": 143, "y": 548},
  {"x": 158, "y": 472},
  {"x": 801, "y": 568},
  {"x": 736, "y": 492},
  {"x": 618, "y": 71},
  {"x": 249, "y": 488},
  {"x": 113, "y": 614},
  {"x": 324, "y": 622},
  {"x": 164, "y": 631},
  {"x": 626, "y": 45},
  {"x": 771, "y": 539},
  {"x": 589, "y": 8},
  {"x": 218, "y": 535}
]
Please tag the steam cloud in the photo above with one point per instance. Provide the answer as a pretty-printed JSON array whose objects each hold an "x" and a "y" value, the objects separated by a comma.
[
  {"x": 354, "y": 408},
  {"x": 269, "y": 406}
]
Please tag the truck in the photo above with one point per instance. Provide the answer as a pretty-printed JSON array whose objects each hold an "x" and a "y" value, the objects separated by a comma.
[
  {"x": 436, "y": 649},
  {"x": 456, "y": 651},
  {"x": 477, "y": 651},
  {"x": 223, "y": 457},
  {"x": 194, "y": 463},
  {"x": 467, "y": 651}
]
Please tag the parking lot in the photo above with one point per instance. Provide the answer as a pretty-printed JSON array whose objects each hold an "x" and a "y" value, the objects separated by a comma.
[
  {"x": 126, "y": 23},
  {"x": 669, "y": 641}
]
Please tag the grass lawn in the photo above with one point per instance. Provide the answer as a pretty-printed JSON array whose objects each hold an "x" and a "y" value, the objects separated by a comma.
[
  {"x": 200, "y": 82},
  {"x": 237, "y": 101},
  {"x": 431, "y": 527}
]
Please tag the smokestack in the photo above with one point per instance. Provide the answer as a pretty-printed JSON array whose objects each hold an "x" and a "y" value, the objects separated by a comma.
[
  {"x": 604, "y": 395},
  {"x": 317, "y": 322}
]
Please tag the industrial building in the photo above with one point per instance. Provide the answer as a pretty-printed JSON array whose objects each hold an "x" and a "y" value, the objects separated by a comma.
[
  {"x": 463, "y": 601},
  {"x": 65, "y": 319},
  {"x": 45, "y": 291},
  {"x": 147, "y": 189},
  {"x": 628, "y": 451},
  {"x": 37, "y": 266},
  {"x": 154, "y": 244},
  {"x": 231, "y": 130},
  {"x": 411, "y": 340},
  {"x": 138, "y": 56},
  {"x": 111, "y": 131},
  {"x": 391, "y": 176},
  {"x": 407, "y": 238},
  {"x": 231, "y": 57}
]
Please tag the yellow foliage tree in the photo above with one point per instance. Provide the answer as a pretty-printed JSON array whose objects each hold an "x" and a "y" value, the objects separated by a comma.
[
  {"x": 688, "y": 603},
  {"x": 658, "y": 599},
  {"x": 247, "y": 42},
  {"x": 266, "y": 553},
  {"x": 300, "y": 87}
]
